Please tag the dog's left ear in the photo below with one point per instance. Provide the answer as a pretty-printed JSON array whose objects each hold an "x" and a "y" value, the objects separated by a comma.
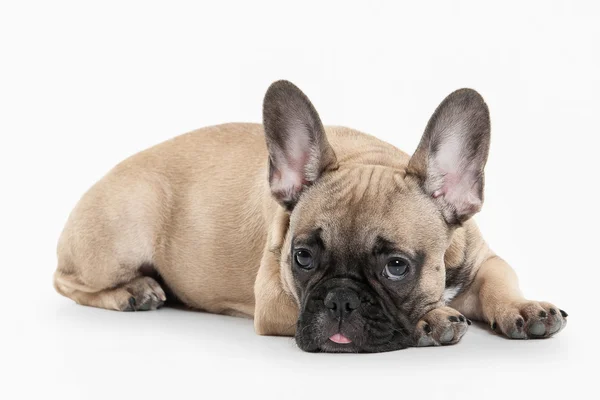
[
  {"x": 452, "y": 155},
  {"x": 298, "y": 148}
]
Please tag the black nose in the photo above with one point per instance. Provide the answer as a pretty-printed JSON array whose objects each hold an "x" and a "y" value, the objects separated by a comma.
[{"x": 342, "y": 301}]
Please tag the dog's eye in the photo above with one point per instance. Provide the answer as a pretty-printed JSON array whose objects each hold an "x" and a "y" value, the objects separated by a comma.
[
  {"x": 303, "y": 258},
  {"x": 396, "y": 269}
]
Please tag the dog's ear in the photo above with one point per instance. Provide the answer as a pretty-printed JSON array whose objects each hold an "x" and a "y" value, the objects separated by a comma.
[
  {"x": 298, "y": 148},
  {"x": 452, "y": 154}
]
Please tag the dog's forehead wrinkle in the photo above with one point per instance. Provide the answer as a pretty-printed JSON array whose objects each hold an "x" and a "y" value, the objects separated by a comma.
[
  {"x": 311, "y": 237},
  {"x": 406, "y": 220},
  {"x": 382, "y": 245}
]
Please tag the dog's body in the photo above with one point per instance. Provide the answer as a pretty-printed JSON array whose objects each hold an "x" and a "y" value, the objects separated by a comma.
[
  {"x": 202, "y": 228},
  {"x": 199, "y": 212}
]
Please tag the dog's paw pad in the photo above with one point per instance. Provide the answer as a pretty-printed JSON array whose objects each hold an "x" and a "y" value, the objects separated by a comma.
[
  {"x": 441, "y": 326},
  {"x": 529, "y": 320}
]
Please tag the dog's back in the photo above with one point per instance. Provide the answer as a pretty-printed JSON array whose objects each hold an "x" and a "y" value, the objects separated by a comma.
[
  {"x": 195, "y": 210},
  {"x": 190, "y": 207}
]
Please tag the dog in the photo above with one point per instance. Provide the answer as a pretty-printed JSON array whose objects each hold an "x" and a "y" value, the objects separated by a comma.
[{"x": 322, "y": 233}]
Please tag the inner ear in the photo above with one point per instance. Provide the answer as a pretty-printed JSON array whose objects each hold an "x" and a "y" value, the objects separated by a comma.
[
  {"x": 452, "y": 154},
  {"x": 298, "y": 148}
]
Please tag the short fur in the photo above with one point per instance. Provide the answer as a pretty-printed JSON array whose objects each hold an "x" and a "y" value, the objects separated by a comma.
[{"x": 214, "y": 217}]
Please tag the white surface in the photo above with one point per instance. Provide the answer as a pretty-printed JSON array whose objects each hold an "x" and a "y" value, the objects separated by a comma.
[{"x": 82, "y": 86}]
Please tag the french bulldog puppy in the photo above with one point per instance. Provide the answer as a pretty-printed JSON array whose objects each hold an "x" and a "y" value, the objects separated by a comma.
[{"x": 324, "y": 233}]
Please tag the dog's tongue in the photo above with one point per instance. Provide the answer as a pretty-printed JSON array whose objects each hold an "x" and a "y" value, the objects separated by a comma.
[{"x": 339, "y": 338}]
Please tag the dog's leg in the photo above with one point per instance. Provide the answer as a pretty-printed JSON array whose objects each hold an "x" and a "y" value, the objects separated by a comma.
[
  {"x": 109, "y": 242},
  {"x": 275, "y": 313},
  {"x": 494, "y": 297},
  {"x": 483, "y": 287},
  {"x": 101, "y": 281},
  {"x": 139, "y": 294},
  {"x": 489, "y": 291}
]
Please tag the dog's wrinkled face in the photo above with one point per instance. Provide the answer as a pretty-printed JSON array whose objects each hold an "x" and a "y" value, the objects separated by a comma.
[{"x": 364, "y": 252}]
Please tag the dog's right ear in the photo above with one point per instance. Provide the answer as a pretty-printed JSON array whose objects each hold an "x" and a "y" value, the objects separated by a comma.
[{"x": 298, "y": 148}]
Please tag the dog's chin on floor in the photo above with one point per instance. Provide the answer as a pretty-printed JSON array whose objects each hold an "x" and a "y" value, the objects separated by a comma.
[
  {"x": 332, "y": 347},
  {"x": 339, "y": 343}
]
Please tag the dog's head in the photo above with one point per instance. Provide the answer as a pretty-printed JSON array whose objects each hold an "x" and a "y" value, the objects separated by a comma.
[{"x": 364, "y": 252}]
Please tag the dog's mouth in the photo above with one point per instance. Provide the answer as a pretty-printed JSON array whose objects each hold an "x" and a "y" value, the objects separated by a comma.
[
  {"x": 346, "y": 318},
  {"x": 316, "y": 335},
  {"x": 320, "y": 335}
]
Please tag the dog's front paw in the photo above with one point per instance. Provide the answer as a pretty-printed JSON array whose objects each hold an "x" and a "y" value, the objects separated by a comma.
[
  {"x": 528, "y": 319},
  {"x": 441, "y": 326}
]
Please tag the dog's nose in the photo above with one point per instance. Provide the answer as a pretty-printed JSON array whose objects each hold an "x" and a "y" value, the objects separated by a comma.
[{"x": 342, "y": 301}]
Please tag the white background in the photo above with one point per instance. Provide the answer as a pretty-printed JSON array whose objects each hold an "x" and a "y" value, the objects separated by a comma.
[{"x": 84, "y": 85}]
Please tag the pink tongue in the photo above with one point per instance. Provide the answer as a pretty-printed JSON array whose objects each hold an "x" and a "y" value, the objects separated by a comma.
[{"x": 339, "y": 338}]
